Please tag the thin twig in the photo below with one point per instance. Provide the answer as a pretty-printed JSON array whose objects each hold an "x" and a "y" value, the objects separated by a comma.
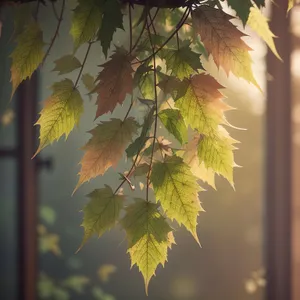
[
  {"x": 130, "y": 28},
  {"x": 177, "y": 38},
  {"x": 156, "y": 112},
  {"x": 56, "y": 31},
  {"x": 178, "y": 27},
  {"x": 129, "y": 109},
  {"x": 83, "y": 63}
]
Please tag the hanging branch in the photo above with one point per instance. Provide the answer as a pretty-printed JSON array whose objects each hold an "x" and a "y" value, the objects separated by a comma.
[
  {"x": 56, "y": 31},
  {"x": 156, "y": 111}
]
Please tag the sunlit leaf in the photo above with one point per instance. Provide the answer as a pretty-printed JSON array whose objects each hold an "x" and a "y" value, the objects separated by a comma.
[
  {"x": 112, "y": 20},
  {"x": 47, "y": 214},
  {"x": 176, "y": 188},
  {"x": 61, "y": 113},
  {"x": 66, "y": 64},
  {"x": 86, "y": 21},
  {"x": 27, "y": 55},
  {"x": 202, "y": 106},
  {"x": 182, "y": 62},
  {"x": 216, "y": 152},
  {"x": 259, "y": 23},
  {"x": 101, "y": 213},
  {"x": 190, "y": 157},
  {"x": 148, "y": 236},
  {"x": 223, "y": 41},
  {"x": 105, "y": 148},
  {"x": 115, "y": 82},
  {"x": 174, "y": 123}
]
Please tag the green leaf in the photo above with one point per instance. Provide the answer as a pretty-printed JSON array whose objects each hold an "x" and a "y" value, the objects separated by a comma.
[
  {"x": 112, "y": 20},
  {"x": 242, "y": 8},
  {"x": 27, "y": 55},
  {"x": 47, "y": 214},
  {"x": 76, "y": 283},
  {"x": 182, "y": 62},
  {"x": 106, "y": 147},
  {"x": 173, "y": 86},
  {"x": 259, "y": 23},
  {"x": 177, "y": 190},
  {"x": 101, "y": 213},
  {"x": 86, "y": 21},
  {"x": 149, "y": 237},
  {"x": 66, "y": 64},
  {"x": 89, "y": 82},
  {"x": 61, "y": 113},
  {"x": 202, "y": 106},
  {"x": 216, "y": 151},
  {"x": 139, "y": 143},
  {"x": 174, "y": 123},
  {"x": 144, "y": 80}
]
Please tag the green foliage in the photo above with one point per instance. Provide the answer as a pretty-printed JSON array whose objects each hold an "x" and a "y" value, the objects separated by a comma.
[{"x": 159, "y": 68}]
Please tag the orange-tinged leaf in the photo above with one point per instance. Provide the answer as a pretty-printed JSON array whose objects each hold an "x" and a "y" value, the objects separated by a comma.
[
  {"x": 115, "y": 82},
  {"x": 202, "y": 106},
  {"x": 223, "y": 41},
  {"x": 106, "y": 147}
]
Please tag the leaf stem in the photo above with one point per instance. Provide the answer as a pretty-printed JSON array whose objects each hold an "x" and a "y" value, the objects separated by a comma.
[
  {"x": 129, "y": 109},
  {"x": 54, "y": 11},
  {"x": 56, "y": 31},
  {"x": 83, "y": 63}
]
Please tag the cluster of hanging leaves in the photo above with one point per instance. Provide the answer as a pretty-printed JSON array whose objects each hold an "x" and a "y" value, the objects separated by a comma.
[{"x": 160, "y": 69}]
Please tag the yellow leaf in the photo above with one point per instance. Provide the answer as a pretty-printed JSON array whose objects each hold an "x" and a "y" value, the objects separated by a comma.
[
  {"x": 202, "y": 106},
  {"x": 101, "y": 213},
  {"x": 105, "y": 271},
  {"x": 27, "y": 55},
  {"x": 149, "y": 237},
  {"x": 190, "y": 157},
  {"x": 259, "y": 23},
  {"x": 106, "y": 147},
  {"x": 223, "y": 41},
  {"x": 86, "y": 21},
  {"x": 176, "y": 188},
  {"x": 60, "y": 114},
  {"x": 216, "y": 152}
]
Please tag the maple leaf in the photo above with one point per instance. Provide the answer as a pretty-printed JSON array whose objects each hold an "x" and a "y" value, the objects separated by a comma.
[
  {"x": 177, "y": 190},
  {"x": 223, "y": 41},
  {"x": 101, "y": 213},
  {"x": 112, "y": 20},
  {"x": 149, "y": 237},
  {"x": 190, "y": 157},
  {"x": 105, "y": 148},
  {"x": 115, "y": 82},
  {"x": 202, "y": 106},
  {"x": 61, "y": 112},
  {"x": 66, "y": 64},
  {"x": 259, "y": 23},
  {"x": 144, "y": 80},
  {"x": 182, "y": 62},
  {"x": 174, "y": 123},
  {"x": 216, "y": 152},
  {"x": 28, "y": 54},
  {"x": 242, "y": 8},
  {"x": 86, "y": 21}
]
